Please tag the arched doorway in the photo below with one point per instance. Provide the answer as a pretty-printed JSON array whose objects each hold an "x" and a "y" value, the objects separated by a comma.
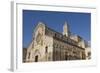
[
  {"x": 36, "y": 55},
  {"x": 66, "y": 57},
  {"x": 36, "y": 58}
]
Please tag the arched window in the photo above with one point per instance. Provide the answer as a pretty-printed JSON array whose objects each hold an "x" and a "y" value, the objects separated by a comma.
[{"x": 46, "y": 49}]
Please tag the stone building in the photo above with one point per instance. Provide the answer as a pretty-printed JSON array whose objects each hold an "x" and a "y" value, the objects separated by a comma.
[
  {"x": 88, "y": 53},
  {"x": 50, "y": 45},
  {"x": 24, "y": 54}
]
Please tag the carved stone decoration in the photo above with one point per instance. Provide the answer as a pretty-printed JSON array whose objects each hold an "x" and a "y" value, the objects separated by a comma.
[{"x": 39, "y": 37}]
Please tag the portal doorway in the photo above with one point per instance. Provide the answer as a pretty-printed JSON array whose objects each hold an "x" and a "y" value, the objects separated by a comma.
[
  {"x": 36, "y": 58},
  {"x": 66, "y": 57}
]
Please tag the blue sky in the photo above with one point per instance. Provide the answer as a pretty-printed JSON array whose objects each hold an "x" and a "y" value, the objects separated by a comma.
[{"x": 80, "y": 23}]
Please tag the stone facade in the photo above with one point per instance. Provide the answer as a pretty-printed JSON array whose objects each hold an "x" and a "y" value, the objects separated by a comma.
[{"x": 50, "y": 45}]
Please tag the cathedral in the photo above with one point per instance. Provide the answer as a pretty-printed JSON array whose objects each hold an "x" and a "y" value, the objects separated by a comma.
[{"x": 50, "y": 45}]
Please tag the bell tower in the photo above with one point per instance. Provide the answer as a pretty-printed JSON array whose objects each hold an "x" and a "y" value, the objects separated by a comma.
[{"x": 66, "y": 31}]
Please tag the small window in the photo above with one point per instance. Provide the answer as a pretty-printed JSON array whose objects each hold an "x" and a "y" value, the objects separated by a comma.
[
  {"x": 46, "y": 49},
  {"x": 55, "y": 34},
  {"x": 89, "y": 53}
]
